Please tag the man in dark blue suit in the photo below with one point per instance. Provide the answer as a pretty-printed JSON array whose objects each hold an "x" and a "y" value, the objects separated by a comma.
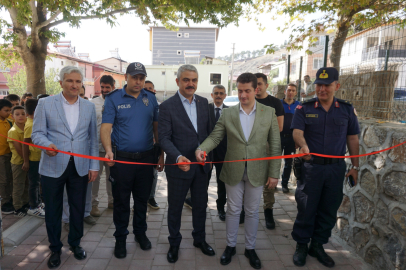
[
  {"x": 183, "y": 125},
  {"x": 219, "y": 153}
]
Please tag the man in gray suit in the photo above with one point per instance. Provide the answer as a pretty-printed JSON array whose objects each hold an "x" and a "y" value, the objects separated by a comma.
[{"x": 57, "y": 126}]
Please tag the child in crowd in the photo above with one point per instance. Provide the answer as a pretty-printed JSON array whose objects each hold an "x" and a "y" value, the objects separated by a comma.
[
  {"x": 6, "y": 177},
  {"x": 32, "y": 156},
  {"x": 20, "y": 181},
  {"x": 15, "y": 101}
]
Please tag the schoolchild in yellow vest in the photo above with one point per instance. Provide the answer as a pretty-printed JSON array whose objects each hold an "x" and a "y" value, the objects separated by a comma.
[
  {"x": 20, "y": 181},
  {"x": 6, "y": 178},
  {"x": 32, "y": 156}
]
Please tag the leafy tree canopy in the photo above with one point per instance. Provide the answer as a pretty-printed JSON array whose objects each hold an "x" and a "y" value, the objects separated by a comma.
[{"x": 330, "y": 15}]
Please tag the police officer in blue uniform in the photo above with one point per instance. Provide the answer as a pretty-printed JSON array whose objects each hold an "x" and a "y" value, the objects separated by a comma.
[
  {"x": 130, "y": 119},
  {"x": 323, "y": 125}
]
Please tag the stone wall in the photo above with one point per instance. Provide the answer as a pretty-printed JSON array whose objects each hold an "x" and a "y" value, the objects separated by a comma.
[{"x": 372, "y": 216}]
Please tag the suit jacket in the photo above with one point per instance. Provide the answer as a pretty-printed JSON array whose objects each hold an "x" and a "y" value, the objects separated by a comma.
[
  {"x": 177, "y": 135},
  {"x": 265, "y": 132},
  {"x": 51, "y": 127},
  {"x": 219, "y": 153}
]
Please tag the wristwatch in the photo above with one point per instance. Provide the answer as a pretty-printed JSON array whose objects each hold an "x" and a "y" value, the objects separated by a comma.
[{"x": 356, "y": 168}]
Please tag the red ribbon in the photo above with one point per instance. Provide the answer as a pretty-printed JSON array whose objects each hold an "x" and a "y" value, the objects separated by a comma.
[{"x": 203, "y": 163}]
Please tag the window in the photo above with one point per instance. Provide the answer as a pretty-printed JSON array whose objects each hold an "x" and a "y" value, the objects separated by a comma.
[
  {"x": 179, "y": 35},
  {"x": 61, "y": 63},
  {"x": 215, "y": 78},
  {"x": 293, "y": 69},
  {"x": 317, "y": 63},
  {"x": 163, "y": 72},
  {"x": 179, "y": 52},
  {"x": 175, "y": 73},
  {"x": 186, "y": 35},
  {"x": 3, "y": 68},
  {"x": 321, "y": 41}
]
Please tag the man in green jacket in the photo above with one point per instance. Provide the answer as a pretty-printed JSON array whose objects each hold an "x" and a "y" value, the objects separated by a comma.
[{"x": 252, "y": 132}]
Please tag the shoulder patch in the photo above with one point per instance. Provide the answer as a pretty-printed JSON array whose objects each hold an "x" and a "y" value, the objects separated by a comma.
[
  {"x": 309, "y": 101},
  {"x": 298, "y": 107},
  {"x": 344, "y": 101}
]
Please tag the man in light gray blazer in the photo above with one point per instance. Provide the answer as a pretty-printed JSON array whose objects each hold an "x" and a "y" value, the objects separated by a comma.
[{"x": 57, "y": 125}]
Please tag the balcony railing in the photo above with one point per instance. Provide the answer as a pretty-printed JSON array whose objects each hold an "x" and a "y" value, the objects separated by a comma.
[{"x": 380, "y": 52}]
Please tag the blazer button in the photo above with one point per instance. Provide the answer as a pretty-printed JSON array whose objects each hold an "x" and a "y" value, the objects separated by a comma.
[{"x": 72, "y": 139}]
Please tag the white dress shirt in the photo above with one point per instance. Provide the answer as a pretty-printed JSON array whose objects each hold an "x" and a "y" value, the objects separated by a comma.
[
  {"x": 247, "y": 121},
  {"x": 71, "y": 113}
]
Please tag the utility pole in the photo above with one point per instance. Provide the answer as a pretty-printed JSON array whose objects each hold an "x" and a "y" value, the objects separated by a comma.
[{"x": 230, "y": 89}]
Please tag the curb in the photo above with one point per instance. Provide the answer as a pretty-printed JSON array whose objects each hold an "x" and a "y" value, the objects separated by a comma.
[{"x": 21, "y": 230}]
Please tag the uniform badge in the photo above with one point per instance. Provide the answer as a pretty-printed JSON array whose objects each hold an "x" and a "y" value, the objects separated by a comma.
[
  {"x": 146, "y": 101},
  {"x": 355, "y": 112},
  {"x": 337, "y": 105},
  {"x": 323, "y": 75},
  {"x": 316, "y": 104},
  {"x": 312, "y": 115},
  {"x": 298, "y": 107}
]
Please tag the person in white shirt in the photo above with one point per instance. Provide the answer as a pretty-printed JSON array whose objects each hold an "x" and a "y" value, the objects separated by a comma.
[
  {"x": 107, "y": 83},
  {"x": 310, "y": 91}
]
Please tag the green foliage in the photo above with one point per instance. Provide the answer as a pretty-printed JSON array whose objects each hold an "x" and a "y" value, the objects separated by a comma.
[
  {"x": 329, "y": 15},
  {"x": 272, "y": 84},
  {"x": 243, "y": 55},
  {"x": 17, "y": 84}
]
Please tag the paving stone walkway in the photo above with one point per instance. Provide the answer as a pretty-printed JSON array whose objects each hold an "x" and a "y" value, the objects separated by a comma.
[{"x": 274, "y": 247}]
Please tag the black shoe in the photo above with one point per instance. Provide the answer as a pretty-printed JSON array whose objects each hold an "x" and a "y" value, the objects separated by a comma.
[
  {"x": 172, "y": 255},
  {"x": 206, "y": 248},
  {"x": 188, "y": 202},
  {"x": 227, "y": 254},
  {"x": 7, "y": 208},
  {"x": 317, "y": 250},
  {"x": 143, "y": 240},
  {"x": 299, "y": 258},
  {"x": 120, "y": 250},
  {"x": 222, "y": 215},
  {"x": 255, "y": 262},
  {"x": 269, "y": 221},
  {"x": 22, "y": 212},
  {"x": 54, "y": 260},
  {"x": 26, "y": 206},
  {"x": 78, "y": 252},
  {"x": 153, "y": 204},
  {"x": 242, "y": 216},
  {"x": 285, "y": 189}
]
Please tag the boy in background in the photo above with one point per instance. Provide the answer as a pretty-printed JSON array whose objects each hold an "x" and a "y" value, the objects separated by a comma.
[
  {"x": 6, "y": 177},
  {"x": 20, "y": 181},
  {"x": 32, "y": 156}
]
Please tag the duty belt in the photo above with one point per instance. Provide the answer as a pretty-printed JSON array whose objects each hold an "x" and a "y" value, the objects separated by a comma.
[
  {"x": 323, "y": 160},
  {"x": 138, "y": 155}
]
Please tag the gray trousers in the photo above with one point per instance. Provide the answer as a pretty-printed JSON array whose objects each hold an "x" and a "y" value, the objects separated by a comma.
[
  {"x": 243, "y": 193},
  {"x": 88, "y": 205},
  {"x": 96, "y": 183}
]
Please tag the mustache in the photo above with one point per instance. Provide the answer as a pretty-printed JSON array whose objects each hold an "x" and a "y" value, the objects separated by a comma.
[{"x": 190, "y": 87}]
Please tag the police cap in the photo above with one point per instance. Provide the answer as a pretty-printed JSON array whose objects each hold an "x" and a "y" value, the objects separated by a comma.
[
  {"x": 136, "y": 68},
  {"x": 326, "y": 75}
]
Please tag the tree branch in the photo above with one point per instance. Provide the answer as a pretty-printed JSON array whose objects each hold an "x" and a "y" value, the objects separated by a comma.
[
  {"x": 47, "y": 22},
  {"x": 94, "y": 16},
  {"x": 34, "y": 17}
]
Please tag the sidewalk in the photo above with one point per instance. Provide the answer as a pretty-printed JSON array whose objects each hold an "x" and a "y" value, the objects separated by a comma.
[{"x": 274, "y": 247}]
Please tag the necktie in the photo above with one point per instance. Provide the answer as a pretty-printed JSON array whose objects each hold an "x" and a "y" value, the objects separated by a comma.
[{"x": 217, "y": 114}]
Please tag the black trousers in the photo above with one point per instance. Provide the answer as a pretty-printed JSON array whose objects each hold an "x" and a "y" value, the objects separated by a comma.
[
  {"x": 221, "y": 187},
  {"x": 288, "y": 147},
  {"x": 136, "y": 180},
  {"x": 177, "y": 190},
  {"x": 318, "y": 195},
  {"x": 52, "y": 189}
]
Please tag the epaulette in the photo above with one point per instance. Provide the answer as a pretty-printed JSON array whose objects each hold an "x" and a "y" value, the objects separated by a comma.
[
  {"x": 308, "y": 101},
  {"x": 344, "y": 101},
  {"x": 115, "y": 90}
]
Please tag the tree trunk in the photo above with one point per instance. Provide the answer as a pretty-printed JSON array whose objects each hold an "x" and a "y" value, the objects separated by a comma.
[
  {"x": 36, "y": 74},
  {"x": 339, "y": 39}
]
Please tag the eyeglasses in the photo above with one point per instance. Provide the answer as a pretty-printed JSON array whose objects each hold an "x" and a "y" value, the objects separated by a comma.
[{"x": 219, "y": 93}]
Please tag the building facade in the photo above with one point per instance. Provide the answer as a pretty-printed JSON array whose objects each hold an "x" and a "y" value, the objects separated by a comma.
[{"x": 188, "y": 45}]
